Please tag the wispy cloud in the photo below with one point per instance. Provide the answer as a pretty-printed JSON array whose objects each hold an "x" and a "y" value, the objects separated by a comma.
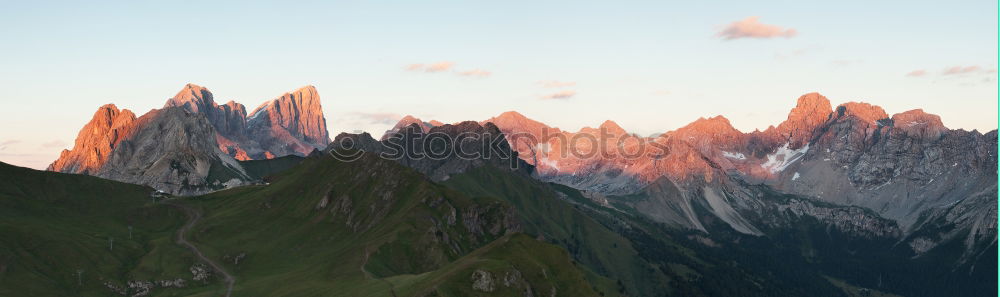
[
  {"x": 555, "y": 84},
  {"x": 432, "y": 67},
  {"x": 379, "y": 117},
  {"x": 54, "y": 143},
  {"x": 560, "y": 95},
  {"x": 475, "y": 73},
  {"x": 956, "y": 70},
  {"x": 917, "y": 73},
  {"x": 751, "y": 28},
  {"x": 661, "y": 93},
  {"x": 447, "y": 66},
  {"x": 7, "y": 143}
]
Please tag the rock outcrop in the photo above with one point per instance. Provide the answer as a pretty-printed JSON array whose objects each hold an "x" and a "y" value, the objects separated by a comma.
[
  {"x": 290, "y": 124},
  {"x": 903, "y": 168},
  {"x": 96, "y": 141},
  {"x": 406, "y": 121},
  {"x": 441, "y": 151},
  {"x": 174, "y": 150},
  {"x": 919, "y": 123},
  {"x": 229, "y": 120}
]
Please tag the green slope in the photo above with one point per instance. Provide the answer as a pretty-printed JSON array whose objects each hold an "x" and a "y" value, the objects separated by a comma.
[
  {"x": 366, "y": 228},
  {"x": 260, "y": 169},
  {"x": 323, "y": 228},
  {"x": 54, "y": 224},
  {"x": 559, "y": 218},
  {"x": 513, "y": 265}
]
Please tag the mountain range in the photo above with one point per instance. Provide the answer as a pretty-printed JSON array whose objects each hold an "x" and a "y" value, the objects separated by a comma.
[
  {"x": 906, "y": 167},
  {"x": 833, "y": 201},
  {"x": 192, "y": 144}
]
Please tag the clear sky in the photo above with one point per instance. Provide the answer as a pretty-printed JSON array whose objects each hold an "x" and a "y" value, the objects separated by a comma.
[{"x": 651, "y": 66}]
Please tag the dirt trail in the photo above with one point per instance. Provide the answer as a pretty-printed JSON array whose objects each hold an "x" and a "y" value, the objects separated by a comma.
[{"x": 193, "y": 216}]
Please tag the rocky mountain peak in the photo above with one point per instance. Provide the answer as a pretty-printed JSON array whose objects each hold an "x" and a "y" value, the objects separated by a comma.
[
  {"x": 919, "y": 123},
  {"x": 96, "y": 140},
  {"x": 420, "y": 151},
  {"x": 290, "y": 124},
  {"x": 811, "y": 110},
  {"x": 809, "y": 106},
  {"x": 173, "y": 150},
  {"x": 612, "y": 127},
  {"x": 235, "y": 106},
  {"x": 513, "y": 118},
  {"x": 192, "y": 97},
  {"x": 511, "y": 115},
  {"x": 514, "y": 123},
  {"x": 608, "y": 128},
  {"x": 405, "y": 122},
  {"x": 409, "y": 119},
  {"x": 863, "y": 111},
  {"x": 708, "y": 126}
]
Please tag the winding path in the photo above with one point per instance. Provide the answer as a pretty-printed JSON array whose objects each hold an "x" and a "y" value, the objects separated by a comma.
[{"x": 193, "y": 216}]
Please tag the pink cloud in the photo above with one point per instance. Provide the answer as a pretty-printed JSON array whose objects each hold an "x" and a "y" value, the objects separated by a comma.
[
  {"x": 439, "y": 66},
  {"x": 560, "y": 95},
  {"x": 433, "y": 67},
  {"x": 751, "y": 28},
  {"x": 555, "y": 84},
  {"x": 954, "y": 70},
  {"x": 917, "y": 73},
  {"x": 475, "y": 73}
]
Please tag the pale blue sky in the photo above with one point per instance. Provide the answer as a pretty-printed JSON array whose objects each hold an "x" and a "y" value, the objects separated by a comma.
[{"x": 652, "y": 66}]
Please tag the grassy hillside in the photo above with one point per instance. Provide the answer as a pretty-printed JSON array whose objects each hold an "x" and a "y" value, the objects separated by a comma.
[
  {"x": 323, "y": 228},
  {"x": 370, "y": 228},
  {"x": 54, "y": 224},
  {"x": 263, "y": 168},
  {"x": 559, "y": 218},
  {"x": 513, "y": 265}
]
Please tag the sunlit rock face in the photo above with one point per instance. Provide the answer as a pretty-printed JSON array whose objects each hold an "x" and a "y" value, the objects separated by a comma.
[
  {"x": 173, "y": 150},
  {"x": 901, "y": 166},
  {"x": 192, "y": 134},
  {"x": 290, "y": 124},
  {"x": 96, "y": 140}
]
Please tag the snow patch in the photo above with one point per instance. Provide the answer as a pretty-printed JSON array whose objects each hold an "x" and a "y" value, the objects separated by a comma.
[
  {"x": 737, "y": 156},
  {"x": 783, "y": 157},
  {"x": 255, "y": 114}
]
